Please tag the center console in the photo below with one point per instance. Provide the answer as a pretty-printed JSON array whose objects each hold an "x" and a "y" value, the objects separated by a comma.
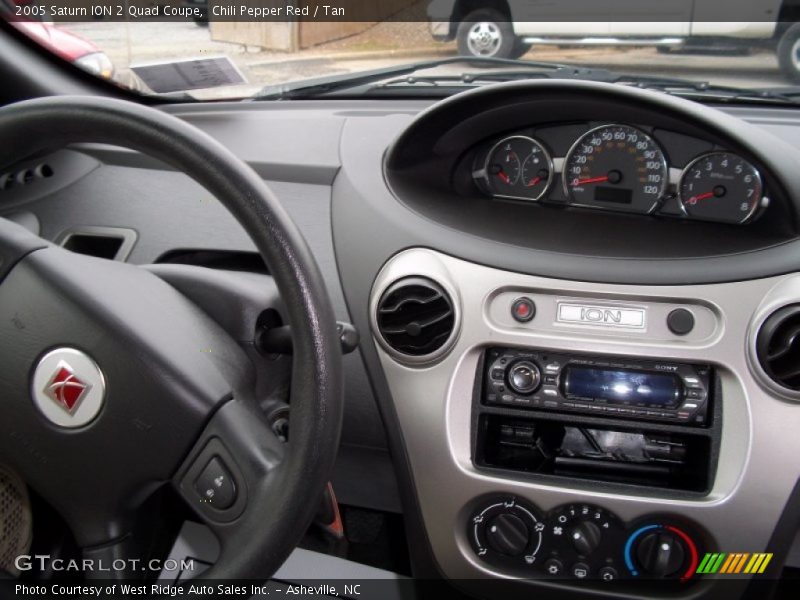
[
  {"x": 572, "y": 436},
  {"x": 616, "y": 421},
  {"x": 603, "y": 418}
]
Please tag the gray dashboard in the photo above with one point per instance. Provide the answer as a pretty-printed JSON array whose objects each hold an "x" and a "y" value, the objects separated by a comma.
[{"x": 325, "y": 162}]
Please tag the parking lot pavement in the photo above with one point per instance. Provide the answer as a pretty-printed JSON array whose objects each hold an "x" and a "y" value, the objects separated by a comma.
[{"x": 131, "y": 43}]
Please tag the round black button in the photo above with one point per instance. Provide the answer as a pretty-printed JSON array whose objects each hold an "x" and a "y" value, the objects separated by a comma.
[
  {"x": 554, "y": 567},
  {"x": 607, "y": 573},
  {"x": 523, "y": 309},
  {"x": 524, "y": 377},
  {"x": 680, "y": 321},
  {"x": 580, "y": 570}
]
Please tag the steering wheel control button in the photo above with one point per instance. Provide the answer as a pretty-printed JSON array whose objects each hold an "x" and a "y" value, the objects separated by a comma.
[
  {"x": 215, "y": 485},
  {"x": 680, "y": 321},
  {"x": 524, "y": 377},
  {"x": 523, "y": 310},
  {"x": 68, "y": 387}
]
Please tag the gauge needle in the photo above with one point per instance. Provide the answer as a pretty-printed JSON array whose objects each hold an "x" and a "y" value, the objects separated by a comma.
[
  {"x": 702, "y": 196},
  {"x": 503, "y": 176},
  {"x": 590, "y": 180},
  {"x": 534, "y": 181}
]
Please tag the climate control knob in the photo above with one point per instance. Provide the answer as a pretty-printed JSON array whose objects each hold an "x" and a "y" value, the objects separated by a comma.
[
  {"x": 661, "y": 554},
  {"x": 661, "y": 551},
  {"x": 524, "y": 377},
  {"x": 507, "y": 534},
  {"x": 586, "y": 537}
]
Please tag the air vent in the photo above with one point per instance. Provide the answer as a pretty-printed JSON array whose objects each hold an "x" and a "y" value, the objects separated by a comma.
[
  {"x": 778, "y": 347},
  {"x": 25, "y": 176},
  {"x": 416, "y": 317}
]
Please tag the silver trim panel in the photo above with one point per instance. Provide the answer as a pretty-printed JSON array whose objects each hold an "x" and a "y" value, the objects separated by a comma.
[{"x": 757, "y": 468}]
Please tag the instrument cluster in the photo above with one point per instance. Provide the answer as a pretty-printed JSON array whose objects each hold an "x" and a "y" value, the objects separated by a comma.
[{"x": 623, "y": 168}]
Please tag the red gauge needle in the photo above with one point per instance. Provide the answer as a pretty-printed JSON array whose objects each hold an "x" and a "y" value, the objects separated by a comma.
[
  {"x": 534, "y": 181},
  {"x": 702, "y": 196},
  {"x": 590, "y": 180},
  {"x": 504, "y": 177}
]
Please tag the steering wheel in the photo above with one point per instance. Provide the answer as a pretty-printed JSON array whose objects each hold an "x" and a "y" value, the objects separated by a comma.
[{"x": 114, "y": 384}]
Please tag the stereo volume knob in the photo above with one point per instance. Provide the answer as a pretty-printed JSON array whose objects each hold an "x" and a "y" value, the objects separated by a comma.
[
  {"x": 507, "y": 534},
  {"x": 524, "y": 377}
]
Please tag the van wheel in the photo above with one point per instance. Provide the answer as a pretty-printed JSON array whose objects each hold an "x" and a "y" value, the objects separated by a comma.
[
  {"x": 789, "y": 53},
  {"x": 486, "y": 34}
]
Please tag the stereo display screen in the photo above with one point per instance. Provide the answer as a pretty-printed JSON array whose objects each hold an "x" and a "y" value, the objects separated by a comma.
[{"x": 622, "y": 386}]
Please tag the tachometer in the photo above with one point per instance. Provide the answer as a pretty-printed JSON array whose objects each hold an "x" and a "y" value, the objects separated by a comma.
[
  {"x": 616, "y": 167},
  {"x": 720, "y": 186},
  {"x": 518, "y": 167}
]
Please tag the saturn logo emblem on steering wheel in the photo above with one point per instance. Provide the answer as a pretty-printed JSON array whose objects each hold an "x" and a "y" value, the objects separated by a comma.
[{"x": 68, "y": 387}]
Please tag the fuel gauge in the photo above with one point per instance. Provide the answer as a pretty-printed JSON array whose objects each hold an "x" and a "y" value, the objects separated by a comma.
[{"x": 518, "y": 167}]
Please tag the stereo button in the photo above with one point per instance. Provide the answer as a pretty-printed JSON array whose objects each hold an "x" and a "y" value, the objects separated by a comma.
[{"x": 524, "y": 377}]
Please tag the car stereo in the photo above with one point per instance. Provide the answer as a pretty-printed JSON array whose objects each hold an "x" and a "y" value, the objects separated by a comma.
[{"x": 597, "y": 385}]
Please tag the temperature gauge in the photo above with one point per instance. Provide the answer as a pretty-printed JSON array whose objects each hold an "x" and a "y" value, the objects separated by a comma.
[
  {"x": 722, "y": 187},
  {"x": 517, "y": 167}
]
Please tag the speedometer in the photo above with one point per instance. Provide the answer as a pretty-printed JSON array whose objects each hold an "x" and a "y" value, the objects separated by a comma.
[{"x": 616, "y": 167}]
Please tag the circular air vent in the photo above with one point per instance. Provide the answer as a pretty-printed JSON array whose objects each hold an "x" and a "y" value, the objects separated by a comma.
[
  {"x": 415, "y": 316},
  {"x": 778, "y": 347}
]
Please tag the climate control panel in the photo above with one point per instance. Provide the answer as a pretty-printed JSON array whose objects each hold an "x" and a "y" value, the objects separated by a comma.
[{"x": 581, "y": 542}]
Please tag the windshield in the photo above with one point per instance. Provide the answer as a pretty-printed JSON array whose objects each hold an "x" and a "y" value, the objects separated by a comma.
[{"x": 215, "y": 49}]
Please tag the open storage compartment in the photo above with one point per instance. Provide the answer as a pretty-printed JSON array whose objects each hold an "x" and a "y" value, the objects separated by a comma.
[{"x": 633, "y": 455}]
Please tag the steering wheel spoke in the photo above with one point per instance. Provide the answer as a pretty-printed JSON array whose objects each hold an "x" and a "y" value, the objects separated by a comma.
[
  {"x": 233, "y": 461},
  {"x": 233, "y": 476}
]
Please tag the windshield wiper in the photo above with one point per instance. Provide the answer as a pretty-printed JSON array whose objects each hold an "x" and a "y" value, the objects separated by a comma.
[
  {"x": 705, "y": 90},
  {"x": 331, "y": 83},
  {"x": 406, "y": 77},
  {"x": 686, "y": 88}
]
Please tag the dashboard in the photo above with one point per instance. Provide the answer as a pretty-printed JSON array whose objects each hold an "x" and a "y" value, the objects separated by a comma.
[
  {"x": 624, "y": 168},
  {"x": 603, "y": 354}
]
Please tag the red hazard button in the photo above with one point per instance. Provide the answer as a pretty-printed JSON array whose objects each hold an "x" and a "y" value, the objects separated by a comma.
[{"x": 523, "y": 309}]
